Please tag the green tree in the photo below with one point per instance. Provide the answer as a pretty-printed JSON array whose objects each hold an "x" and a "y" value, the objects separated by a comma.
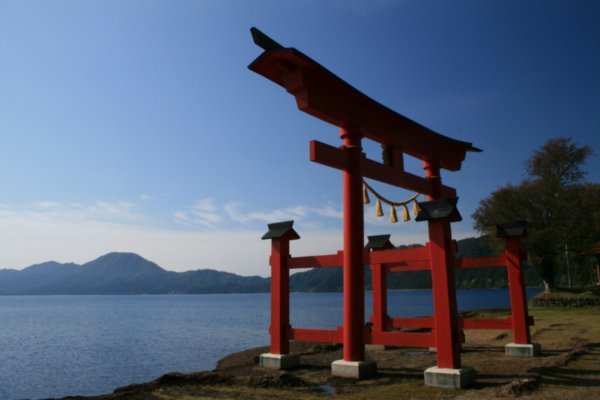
[{"x": 560, "y": 208}]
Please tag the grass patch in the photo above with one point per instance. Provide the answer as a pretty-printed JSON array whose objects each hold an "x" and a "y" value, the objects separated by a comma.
[{"x": 565, "y": 327}]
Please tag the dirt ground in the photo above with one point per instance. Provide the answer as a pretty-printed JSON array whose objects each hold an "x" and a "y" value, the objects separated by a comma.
[{"x": 568, "y": 368}]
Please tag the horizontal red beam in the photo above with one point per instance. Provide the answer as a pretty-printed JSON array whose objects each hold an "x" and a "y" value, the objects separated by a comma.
[
  {"x": 405, "y": 259},
  {"x": 398, "y": 255},
  {"x": 317, "y": 335},
  {"x": 421, "y": 265},
  {"x": 481, "y": 262},
  {"x": 485, "y": 323},
  {"x": 328, "y": 155},
  {"x": 412, "y": 322},
  {"x": 399, "y": 178},
  {"x": 326, "y": 260},
  {"x": 336, "y": 158},
  {"x": 401, "y": 339},
  {"x": 464, "y": 323}
]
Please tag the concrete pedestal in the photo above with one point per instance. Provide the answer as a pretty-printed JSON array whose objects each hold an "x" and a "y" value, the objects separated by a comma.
[
  {"x": 449, "y": 378},
  {"x": 279, "y": 361},
  {"x": 522, "y": 350},
  {"x": 354, "y": 369}
]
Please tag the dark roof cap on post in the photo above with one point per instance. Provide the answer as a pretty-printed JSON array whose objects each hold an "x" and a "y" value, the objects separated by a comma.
[
  {"x": 278, "y": 230},
  {"x": 512, "y": 229},
  {"x": 379, "y": 242},
  {"x": 439, "y": 209}
]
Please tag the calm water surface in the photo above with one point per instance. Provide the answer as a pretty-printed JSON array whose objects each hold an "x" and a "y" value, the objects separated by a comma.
[{"x": 55, "y": 346}]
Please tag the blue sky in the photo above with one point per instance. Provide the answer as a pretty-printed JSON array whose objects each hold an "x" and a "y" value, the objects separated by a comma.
[{"x": 136, "y": 125}]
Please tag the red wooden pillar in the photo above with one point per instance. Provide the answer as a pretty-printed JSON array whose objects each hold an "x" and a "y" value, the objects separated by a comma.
[
  {"x": 379, "y": 283},
  {"x": 379, "y": 291},
  {"x": 442, "y": 272},
  {"x": 280, "y": 296},
  {"x": 512, "y": 234},
  {"x": 516, "y": 286},
  {"x": 354, "y": 277},
  {"x": 280, "y": 234}
]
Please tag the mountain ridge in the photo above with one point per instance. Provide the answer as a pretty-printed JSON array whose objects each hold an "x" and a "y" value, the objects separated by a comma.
[{"x": 122, "y": 273}]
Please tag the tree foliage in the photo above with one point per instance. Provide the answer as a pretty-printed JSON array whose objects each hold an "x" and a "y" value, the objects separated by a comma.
[{"x": 561, "y": 209}]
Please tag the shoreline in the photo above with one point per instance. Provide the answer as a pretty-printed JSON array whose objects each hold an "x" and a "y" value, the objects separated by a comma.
[{"x": 235, "y": 293}]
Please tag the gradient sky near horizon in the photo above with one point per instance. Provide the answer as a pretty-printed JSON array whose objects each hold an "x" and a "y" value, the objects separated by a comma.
[{"x": 136, "y": 126}]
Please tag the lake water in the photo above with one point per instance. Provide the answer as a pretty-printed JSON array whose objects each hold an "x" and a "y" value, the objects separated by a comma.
[{"x": 54, "y": 346}]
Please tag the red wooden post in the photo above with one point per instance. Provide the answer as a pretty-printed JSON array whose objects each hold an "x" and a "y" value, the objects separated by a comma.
[
  {"x": 379, "y": 282},
  {"x": 444, "y": 295},
  {"x": 379, "y": 289},
  {"x": 280, "y": 296},
  {"x": 443, "y": 281},
  {"x": 354, "y": 296},
  {"x": 521, "y": 346},
  {"x": 279, "y": 357},
  {"x": 516, "y": 286},
  {"x": 512, "y": 234}
]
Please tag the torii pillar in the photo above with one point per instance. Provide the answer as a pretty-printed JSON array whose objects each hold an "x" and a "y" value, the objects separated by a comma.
[
  {"x": 353, "y": 364},
  {"x": 379, "y": 285},
  {"x": 439, "y": 213},
  {"x": 521, "y": 345},
  {"x": 279, "y": 356}
]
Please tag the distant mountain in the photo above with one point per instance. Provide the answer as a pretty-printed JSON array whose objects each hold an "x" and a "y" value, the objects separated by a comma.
[
  {"x": 122, "y": 273},
  {"x": 128, "y": 273}
]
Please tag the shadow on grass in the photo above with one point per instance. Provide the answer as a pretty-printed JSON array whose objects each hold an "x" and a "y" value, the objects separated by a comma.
[{"x": 580, "y": 376}]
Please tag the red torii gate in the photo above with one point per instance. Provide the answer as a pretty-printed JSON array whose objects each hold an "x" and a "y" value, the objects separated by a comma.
[
  {"x": 322, "y": 94},
  {"x": 416, "y": 260}
]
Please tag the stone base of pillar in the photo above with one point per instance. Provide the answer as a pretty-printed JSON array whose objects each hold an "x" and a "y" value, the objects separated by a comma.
[
  {"x": 354, "y": 369},
  {"x": 449, "y": 377},
  {"x": 522, "y": 350},
  {"x": 279, "y": 361}
]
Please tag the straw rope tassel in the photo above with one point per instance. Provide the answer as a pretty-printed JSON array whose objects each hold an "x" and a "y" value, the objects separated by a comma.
[
  {"x": 405, "y": 214},
  {"x": 393, "y": 216},
  {"x": 378, "y": 209},
  {"x": 416, "y": 208},
  {"x": 366, "y": 199}
]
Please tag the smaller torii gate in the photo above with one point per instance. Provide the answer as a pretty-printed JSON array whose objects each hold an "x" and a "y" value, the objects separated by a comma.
[
  {"x": 518, "y": 321},
  {"x": 323, "y": 95}
]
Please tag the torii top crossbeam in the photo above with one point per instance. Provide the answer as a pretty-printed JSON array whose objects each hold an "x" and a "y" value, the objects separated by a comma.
[{"x": 322, "y": 94}]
